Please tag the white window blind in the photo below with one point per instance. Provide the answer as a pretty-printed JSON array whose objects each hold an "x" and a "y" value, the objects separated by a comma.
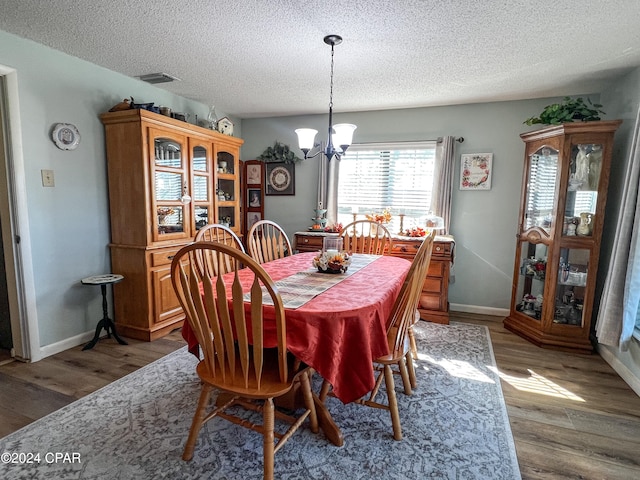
[
  {"x": 541, "y": 188},
  {"x": 398, "y": 176}
]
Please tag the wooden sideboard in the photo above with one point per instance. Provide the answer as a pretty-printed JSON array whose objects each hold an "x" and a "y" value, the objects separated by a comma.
[{"x": 434, "y": 300}]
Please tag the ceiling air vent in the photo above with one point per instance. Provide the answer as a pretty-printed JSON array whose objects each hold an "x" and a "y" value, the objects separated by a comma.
[{"x": 158, "y": 78}]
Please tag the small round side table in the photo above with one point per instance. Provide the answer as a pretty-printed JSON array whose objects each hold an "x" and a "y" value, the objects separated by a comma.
[{"x": 106, "y": 322}]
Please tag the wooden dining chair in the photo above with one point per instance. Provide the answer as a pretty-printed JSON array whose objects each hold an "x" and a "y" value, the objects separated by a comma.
[
  {"x": 236, "y": 362},
  {"x": 401, "y": 319},
  {"x": 216, "y": 232},
  {"x": 267, "y": 241},
  {"x": 366, "y": 236}
]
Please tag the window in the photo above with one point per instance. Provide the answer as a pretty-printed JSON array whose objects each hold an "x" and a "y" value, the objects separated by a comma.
[{"x": 397, "y": 176}]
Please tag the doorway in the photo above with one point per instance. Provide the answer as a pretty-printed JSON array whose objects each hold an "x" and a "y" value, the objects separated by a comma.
[
  {"x": 6, "y": 340},
  {"x": 19, "y": 322}
]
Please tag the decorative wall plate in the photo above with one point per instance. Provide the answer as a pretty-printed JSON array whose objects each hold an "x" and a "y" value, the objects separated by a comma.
[
  {"x": 66, "y": 136},
  {"x": 280, "y": 179}
]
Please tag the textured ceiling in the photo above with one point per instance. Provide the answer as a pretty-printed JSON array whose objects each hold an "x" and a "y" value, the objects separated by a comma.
[{"x": 256, "y": 58}]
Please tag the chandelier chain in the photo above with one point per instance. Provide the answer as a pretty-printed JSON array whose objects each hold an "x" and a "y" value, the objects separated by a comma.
[{"x": 331, "y": 83}]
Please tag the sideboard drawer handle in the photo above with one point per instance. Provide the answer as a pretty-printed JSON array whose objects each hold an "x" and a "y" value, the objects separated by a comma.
[
  {"x": 438, "y": 249},
  {"x": 306, "y": 240},
  {"x": 403, "y": 249},
  {"x": 170, "y": 257}
]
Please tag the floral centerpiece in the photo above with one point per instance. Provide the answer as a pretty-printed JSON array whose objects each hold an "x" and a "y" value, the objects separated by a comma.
[
  {"x": 384, "y": 217},
  {"x": 335, "y": 228},
  {"x": 332, "y": 262},
  {"x": 416, "y": 232}
]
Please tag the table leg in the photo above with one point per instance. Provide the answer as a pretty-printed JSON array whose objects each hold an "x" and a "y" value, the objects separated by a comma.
[
  {"x": 327, "y": 424},
  {"x": 96, "y": 337},
  {"x": 294, "y": 400},
  {"x": 106, "y": 323}
]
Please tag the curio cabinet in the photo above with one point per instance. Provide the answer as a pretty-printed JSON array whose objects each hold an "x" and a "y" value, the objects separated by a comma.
[{"x": 564, "y": 192}]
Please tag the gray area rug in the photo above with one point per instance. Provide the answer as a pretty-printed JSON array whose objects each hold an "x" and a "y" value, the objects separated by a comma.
[{"x": 455, "y": 426}]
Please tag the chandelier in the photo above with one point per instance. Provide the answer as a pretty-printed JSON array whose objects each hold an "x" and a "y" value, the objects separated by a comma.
[{"x": 340, "y": 135}]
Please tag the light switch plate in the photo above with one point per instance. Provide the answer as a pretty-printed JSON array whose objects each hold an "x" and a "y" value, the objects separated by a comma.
[{"x": 47, "y": 178}]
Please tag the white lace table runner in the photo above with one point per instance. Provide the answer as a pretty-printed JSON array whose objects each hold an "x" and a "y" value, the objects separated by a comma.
[{"x": 301, "y": 287}]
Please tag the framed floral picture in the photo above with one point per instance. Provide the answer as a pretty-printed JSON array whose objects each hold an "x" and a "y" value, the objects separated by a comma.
[{"x": 476, "y": 171}]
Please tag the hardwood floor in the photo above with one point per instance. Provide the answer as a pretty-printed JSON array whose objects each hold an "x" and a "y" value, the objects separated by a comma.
[{"x": 571, "y": 416}]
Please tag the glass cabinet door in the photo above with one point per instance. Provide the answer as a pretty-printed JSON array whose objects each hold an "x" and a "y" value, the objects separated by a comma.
[
  {"x": 582, "y": 189},
  {"x": 169, "y": 184},
  {"x": 201, "y": 186},
  {"x": 228, "y": 190},
  {"x": 540, "y": 189}
]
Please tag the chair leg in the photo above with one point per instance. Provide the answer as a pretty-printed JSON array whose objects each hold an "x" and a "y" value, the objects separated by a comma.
[
  {"x": 412, "y": 370},
  {"x": 268, "y": 419},
  {"x": 393, "y": 402},
  {"x": 308, "y": 401},
  {"x": 196, "y": 423},
  {"x": 324, "y": 390},
  {"x": 406, "y": 382},
  {"x": 412, "y": 341}
]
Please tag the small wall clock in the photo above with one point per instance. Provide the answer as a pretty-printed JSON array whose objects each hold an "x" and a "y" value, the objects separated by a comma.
[{"x": 66, "y": 136}]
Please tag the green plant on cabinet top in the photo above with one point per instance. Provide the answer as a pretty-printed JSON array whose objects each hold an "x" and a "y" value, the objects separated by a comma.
[
  {"x": 570, "y": 110},
  {"x": 279, "y": 153}
]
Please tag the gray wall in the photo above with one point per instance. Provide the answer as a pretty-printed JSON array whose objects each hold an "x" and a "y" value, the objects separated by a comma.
[
  {"x": 69, "y": 223},
  {"x": 483, "y": 223}
]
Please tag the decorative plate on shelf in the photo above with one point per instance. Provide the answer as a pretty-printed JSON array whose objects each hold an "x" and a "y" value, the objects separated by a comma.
[{"x": 66, "y": 136}]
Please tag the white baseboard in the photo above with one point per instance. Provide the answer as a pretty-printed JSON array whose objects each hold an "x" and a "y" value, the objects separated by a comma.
[
  {"x": 498, "y": 312},
  {"x": 621, "y": 369},
  {"x": 65, "y": 344}
]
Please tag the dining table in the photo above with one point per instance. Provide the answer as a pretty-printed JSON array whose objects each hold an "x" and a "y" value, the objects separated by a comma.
[{"x": 336, "y": 324}]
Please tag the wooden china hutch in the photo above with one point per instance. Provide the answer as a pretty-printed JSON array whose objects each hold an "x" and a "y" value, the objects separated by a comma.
[
  {"x": 564, "y": 193},
  {"x": 167, "y": 179}
]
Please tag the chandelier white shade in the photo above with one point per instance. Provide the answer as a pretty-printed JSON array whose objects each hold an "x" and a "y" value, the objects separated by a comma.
[
  {"x": 340, "y": 135},
  {"x": 306, "y": 138}
]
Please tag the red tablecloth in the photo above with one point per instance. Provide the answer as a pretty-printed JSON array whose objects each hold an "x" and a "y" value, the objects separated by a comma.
[{"x": 343, "y": 329}]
